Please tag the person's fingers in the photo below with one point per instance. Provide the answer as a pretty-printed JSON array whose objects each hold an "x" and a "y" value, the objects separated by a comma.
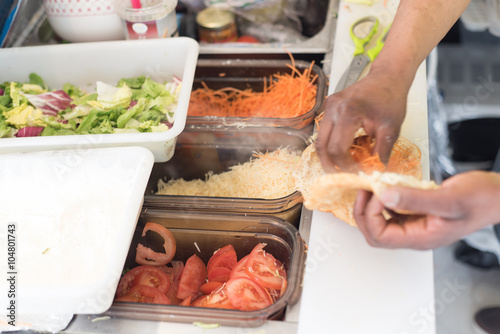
[
  {"x": 339, "y": 143},
  {"x": 384, "y": 141},
  {"x": 325, "y": 131},
  {"x": 368, "y": 213},
  {"x": 420, "y": 201},
  {"x": 362, "y": 198}
]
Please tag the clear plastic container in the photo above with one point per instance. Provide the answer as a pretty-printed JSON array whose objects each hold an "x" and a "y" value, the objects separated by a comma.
[
  {"x": 199, "y": 151},
  {"x": 209, "y": 232},
  {"x": 249, "y": 73}
]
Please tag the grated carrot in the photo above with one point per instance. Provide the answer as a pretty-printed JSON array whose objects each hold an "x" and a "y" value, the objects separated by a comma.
[{"x": 284, "y": 95}]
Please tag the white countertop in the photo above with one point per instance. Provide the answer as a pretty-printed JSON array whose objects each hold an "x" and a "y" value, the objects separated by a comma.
[{"x": 350, "y": 287}]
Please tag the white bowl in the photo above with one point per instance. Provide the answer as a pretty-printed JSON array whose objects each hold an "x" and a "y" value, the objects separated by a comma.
[{"x": 84, "y": 20}]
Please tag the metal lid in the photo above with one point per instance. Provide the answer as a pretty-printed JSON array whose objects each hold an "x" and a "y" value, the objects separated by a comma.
[{"x": 214, "y": 17}]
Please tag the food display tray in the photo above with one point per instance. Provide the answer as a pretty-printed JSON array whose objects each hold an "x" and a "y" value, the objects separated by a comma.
[
  {"x": 202, "y": 234},
  {"x": 250, "y": 74},
  {"x": 199, "y": 151}
]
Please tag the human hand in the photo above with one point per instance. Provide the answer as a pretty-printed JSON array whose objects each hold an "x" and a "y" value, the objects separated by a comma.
[
  {"x": 374, "y": 103},
  {"x": 463, "y": 204}
]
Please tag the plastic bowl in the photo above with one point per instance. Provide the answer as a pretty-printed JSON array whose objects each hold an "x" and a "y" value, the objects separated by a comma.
[
  {"x": 199, "y": 151},
  {"x": 244, "y": 74},
  {"x": 84, "y": 21},
  {"x": 209, "y": 232},
  {"x": 83, "y": 64}
]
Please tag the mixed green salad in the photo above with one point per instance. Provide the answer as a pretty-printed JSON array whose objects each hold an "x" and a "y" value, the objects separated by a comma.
[{"x": 134, "y": 105}]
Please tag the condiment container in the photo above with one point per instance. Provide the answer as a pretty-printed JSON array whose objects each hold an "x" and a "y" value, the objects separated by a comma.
[
  {"x": 250, "y": 74},
  {"x": 204, "y": 233},
  {"x": 202, "y": 150},
  {"x": 148, "y": 18},
  {"x": 216, "y": 25}
]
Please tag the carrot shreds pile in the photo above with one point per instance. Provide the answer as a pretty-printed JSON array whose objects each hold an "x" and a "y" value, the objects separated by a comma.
[{"x": 284, "y": 95}]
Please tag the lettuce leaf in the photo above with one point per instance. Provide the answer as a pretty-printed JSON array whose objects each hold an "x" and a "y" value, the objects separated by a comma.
[
  {"x": 109, "y": 97},
  {"x": 24, "y": 115}
]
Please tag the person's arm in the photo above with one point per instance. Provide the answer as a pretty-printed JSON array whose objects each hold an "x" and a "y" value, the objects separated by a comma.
[
  {"x": 378, "y": 101},
  {"x": 463, "y": 204}
]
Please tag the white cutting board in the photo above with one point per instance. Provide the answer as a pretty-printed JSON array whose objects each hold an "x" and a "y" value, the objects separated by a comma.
[
  {"x": 72, "y": 215},
  {"x": 350, "y": 287}
]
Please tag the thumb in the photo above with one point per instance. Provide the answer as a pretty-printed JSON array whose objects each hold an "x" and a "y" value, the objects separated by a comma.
[{"x": 420, "y": 201}]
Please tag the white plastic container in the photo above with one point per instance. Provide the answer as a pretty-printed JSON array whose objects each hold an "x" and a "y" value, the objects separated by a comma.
[
  {"x": 68, "y": 219},
  {"x": 154, "y": 18},
  {"x": 85, "y": 63}
]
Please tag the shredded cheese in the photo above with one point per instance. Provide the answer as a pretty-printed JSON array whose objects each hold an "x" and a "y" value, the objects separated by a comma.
[{"x": 266, "y": 176}]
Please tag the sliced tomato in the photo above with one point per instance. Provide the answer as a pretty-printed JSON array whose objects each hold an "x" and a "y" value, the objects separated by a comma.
[
  {"x": 224, "y": 257},
  {"x": 172, "y": 293},
  {"x": 186, "y": 302},
  {"x": 174, "y": 271},
  {"x": 147, "y": 256},
  {"x": 154, "y": 277},
  {"x": 216, "y": 299},
  {"x": 144, "y": 294},
  {"x": 150, "y": 275},
  {"x": 239, "y": 269},
  {"x": 246, "y": 295},
  {"x": 263, "y": 268},
  {"x": 192, "y": 278},
  {"x": 219, "y": 274},
  {"x": 208, "y": 287}
]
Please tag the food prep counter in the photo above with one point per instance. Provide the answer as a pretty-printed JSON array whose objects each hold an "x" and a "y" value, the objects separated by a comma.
[{"x": 349, "y": 287}]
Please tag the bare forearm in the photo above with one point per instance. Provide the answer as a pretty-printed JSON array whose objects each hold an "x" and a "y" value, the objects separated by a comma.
[{"x": 419, "y": 25}]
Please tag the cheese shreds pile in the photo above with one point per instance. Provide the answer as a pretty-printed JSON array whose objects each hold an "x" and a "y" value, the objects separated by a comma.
[{"x": 266, "y": 176}]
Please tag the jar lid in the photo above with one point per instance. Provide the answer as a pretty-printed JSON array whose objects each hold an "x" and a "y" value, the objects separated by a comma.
[{"x": 214, "y": 17}]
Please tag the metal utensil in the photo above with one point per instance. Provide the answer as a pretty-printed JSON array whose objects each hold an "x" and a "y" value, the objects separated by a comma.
[{"x": 362, "y": 31}]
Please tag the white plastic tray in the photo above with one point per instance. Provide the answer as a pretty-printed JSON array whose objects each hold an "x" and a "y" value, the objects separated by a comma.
[
  {"x": 69, "y": 217},
  {"x": 82, "y": 64}
]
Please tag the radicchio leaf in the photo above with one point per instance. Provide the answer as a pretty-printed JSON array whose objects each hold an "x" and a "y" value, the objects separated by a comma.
[
  {"x": 30, "y": 131},
  {"x": 50, "y": 103},
  {"x": 1, "y": 92},
  {"x": 170, "y": 125},
  {"x": 132, "y": 103}
]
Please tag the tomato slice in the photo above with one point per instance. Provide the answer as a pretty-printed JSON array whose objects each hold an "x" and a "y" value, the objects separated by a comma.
[
  {"x": 246, "y": 295},
  {"x": 186, "y": 302},
  {"x": 192, "y": 278},
  {"x": 145, "y": 255},
  {"x": 239, "y": 269},
  {"x": 154, "y": 277},
  {"x": 208, "y": 287},
  {"x": 219, "y": 274},
  {"x": 150, "y": 275},
  {"x": 175, "y": 271},
  {"x": 216, "y": 299},
  {"x": 263, "y": 268},
  {"x": 144, "y": 294},
  {"x": 172, "y": 293},
  {"x": 224, "y": 257}
]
